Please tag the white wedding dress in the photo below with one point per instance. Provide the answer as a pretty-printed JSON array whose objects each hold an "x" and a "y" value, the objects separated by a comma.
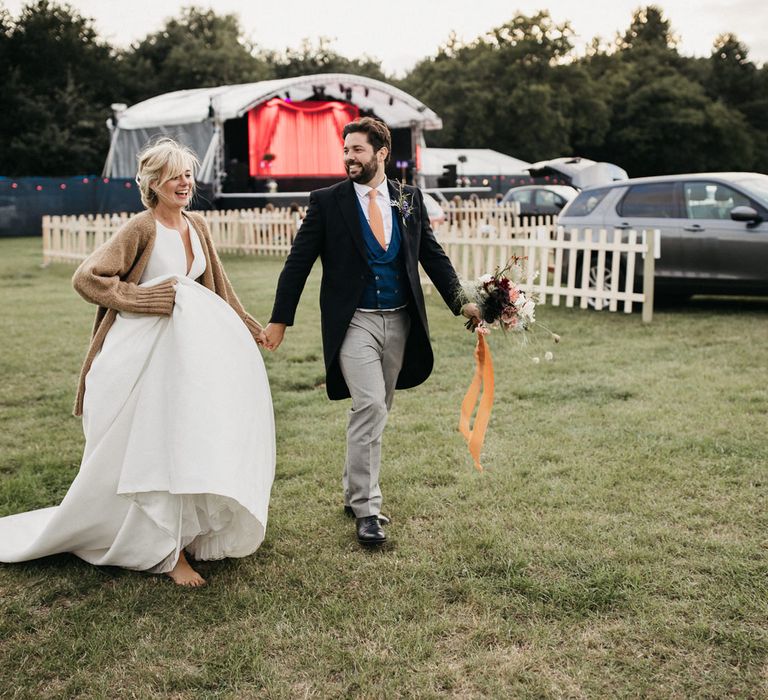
[{"x": 180, "y": 437}]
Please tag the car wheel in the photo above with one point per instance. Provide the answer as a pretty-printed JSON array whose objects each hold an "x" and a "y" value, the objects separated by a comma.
[
  {"x": 592, "y": 279},
  {"x": 594, "y": 302}
]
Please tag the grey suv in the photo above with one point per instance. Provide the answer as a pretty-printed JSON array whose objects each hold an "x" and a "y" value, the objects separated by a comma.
[{"x": 714, "y": 227}]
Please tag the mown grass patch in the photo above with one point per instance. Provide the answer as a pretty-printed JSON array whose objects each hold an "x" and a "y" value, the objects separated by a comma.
[{"x": 615, "y": 546}]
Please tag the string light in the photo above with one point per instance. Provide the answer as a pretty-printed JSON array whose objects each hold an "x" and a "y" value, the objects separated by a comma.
[{"x": 49, "y": 185}]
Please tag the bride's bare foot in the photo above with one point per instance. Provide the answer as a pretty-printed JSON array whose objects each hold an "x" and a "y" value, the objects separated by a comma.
[{"x": 184, "y": 575}]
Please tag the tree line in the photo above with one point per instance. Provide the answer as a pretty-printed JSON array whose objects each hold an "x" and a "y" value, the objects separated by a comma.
[{"x": 519, "y": 88}]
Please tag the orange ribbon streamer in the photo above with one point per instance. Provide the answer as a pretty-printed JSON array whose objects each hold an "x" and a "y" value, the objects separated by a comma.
[{"x": 482, "y": 381}]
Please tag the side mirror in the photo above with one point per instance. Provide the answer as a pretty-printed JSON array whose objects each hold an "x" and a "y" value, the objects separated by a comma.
[{"x": 746, "y": 214}]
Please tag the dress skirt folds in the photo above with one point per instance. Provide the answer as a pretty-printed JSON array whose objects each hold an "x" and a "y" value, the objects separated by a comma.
[{"x": 180, "y": 445}]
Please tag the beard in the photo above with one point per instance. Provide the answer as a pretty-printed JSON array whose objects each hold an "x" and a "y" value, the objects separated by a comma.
[{"x": 367, "y": 170}]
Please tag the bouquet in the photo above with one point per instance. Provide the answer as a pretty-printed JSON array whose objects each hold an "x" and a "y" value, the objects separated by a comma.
[{"x": 502, "y": 304}]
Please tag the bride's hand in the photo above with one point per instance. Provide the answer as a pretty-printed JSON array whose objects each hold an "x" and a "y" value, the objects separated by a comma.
[{"x": 261, "y": 339}]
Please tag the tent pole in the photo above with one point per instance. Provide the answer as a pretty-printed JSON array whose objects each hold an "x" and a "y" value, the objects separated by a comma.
[
  {"x": 417, "y": 139},
  {"x": 219, "y": 170},
  {"x": 109, "y": 163}
]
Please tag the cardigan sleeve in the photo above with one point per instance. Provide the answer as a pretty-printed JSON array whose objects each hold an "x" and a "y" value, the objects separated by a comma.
[{"x": 100, "y": 278}]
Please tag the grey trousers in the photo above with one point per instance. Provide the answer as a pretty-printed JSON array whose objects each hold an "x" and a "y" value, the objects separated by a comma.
[{"x": 370, "y": 358}]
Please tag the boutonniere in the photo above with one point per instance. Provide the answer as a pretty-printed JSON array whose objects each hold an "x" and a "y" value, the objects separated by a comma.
[{"x": 403, "y": 203}]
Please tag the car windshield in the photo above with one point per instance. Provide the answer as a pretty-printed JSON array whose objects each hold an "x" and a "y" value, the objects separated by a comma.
[
  {"x": 586, "y": 202},
  {"x": 758, "y": 188}
]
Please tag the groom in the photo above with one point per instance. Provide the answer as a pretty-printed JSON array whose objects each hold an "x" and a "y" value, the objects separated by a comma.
[{"x": 371, "y": 236}]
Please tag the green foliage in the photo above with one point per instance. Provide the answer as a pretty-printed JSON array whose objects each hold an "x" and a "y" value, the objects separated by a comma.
[
  {"x": 58, "y": 78},
  {"x": 497, "y": 91},
  {"x": 641, "y": 105},
  {"x": 734, "y": 77},
  {"x": 518, "y": 88},
  {"x": 613, "y": 548},
  {"x": 706, "y": 135},
  {"x": 649, "y": 29},
  {"x": 197, "y": 49},
  {"x": 738, "y": 83},
  {"x": 319, "y": 57}
]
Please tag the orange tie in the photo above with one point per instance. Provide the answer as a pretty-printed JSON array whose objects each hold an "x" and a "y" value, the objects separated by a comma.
[{"x": 375, "y": 220}]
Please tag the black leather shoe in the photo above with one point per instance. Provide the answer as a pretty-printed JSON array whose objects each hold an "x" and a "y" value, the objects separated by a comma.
[
  {"x": 369, "y": 531},
  {"x": 383, "y": 519}
]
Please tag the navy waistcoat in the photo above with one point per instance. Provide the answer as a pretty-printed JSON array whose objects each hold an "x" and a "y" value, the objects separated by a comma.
[{"x": 386, "y": 284}]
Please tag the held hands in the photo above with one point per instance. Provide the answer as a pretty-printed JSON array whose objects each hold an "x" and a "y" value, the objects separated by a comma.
[
  {"x": 272, "y": 336},
  {"x": 261, "y": 339}
]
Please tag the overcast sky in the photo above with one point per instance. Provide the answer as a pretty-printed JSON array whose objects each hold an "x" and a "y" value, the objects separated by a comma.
[{"x": 413, "y": 29}]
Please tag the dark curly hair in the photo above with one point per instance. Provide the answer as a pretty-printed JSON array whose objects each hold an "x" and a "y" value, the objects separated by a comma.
[{"x": 377, "y": 133}]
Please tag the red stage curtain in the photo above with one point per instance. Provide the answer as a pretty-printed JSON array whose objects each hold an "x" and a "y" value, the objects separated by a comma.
[{"x": 304, "y": 137}]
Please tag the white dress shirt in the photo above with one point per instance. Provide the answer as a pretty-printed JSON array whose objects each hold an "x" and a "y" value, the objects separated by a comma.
[{"x": 382, "y": 200}]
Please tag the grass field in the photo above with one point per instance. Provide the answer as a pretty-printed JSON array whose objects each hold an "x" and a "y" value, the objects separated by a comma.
[{"x": 615, "y": 547}]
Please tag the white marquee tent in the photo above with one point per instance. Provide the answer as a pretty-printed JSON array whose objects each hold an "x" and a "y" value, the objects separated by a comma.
[
  {"x": 479, "y": 161},
  {"x": 196, "y": 117}
]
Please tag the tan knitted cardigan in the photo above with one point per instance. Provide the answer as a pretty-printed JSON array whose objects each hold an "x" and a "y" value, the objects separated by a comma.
[{"x": 109, "y": 277}]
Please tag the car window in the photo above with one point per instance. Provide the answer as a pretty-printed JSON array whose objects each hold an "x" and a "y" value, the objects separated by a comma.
[
  {"x": 711, "y": 200},
  {"x": 545, "y": 198},
  {"x": 757, "y": 187},
  {"x": 586, "y": 201},
  {"x": 649, "y": 201},
  {"x": 524, "y": 196}
]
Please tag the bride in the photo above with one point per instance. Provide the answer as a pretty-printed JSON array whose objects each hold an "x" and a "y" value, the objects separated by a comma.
[{"x": 176, "y": 407}]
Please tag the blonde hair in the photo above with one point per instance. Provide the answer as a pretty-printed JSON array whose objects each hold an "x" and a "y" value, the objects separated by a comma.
[{"x": 159, "y": 162}]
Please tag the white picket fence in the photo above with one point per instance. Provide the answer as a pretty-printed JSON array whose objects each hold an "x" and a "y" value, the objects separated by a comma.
[
  {"x": 247, "y": 231},
  {"x": 591, "y": 268},
  {"x": 477, "y": 237}
]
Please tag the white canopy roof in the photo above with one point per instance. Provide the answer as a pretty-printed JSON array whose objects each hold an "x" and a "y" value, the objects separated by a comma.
[
  {"x": 480, "y": 161},
  {"x": 582, "y": 172},
  {"x": 395, "y": 107}
]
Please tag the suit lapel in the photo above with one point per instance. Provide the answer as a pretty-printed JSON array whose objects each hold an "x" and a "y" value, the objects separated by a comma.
[
  {"x": 347, "y": 199},
  {"x": 407, "y": 232},
  {"x": 394, "y": 193}
]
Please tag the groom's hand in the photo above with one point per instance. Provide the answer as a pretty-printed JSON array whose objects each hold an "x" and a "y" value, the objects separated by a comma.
[
  {"x": 274, "y": 333},
  {"x": 472, "y": 312}
]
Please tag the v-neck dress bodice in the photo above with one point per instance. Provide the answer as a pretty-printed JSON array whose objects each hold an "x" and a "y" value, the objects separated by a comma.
[{"x": 169, "y": 257}]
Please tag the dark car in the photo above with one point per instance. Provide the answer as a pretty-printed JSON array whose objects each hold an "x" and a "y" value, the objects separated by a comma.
[{"x": 714, "y": 227}]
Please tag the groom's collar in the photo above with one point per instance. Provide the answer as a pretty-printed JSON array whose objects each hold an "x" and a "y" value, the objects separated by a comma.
[{"x": 362, "y": 190}]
